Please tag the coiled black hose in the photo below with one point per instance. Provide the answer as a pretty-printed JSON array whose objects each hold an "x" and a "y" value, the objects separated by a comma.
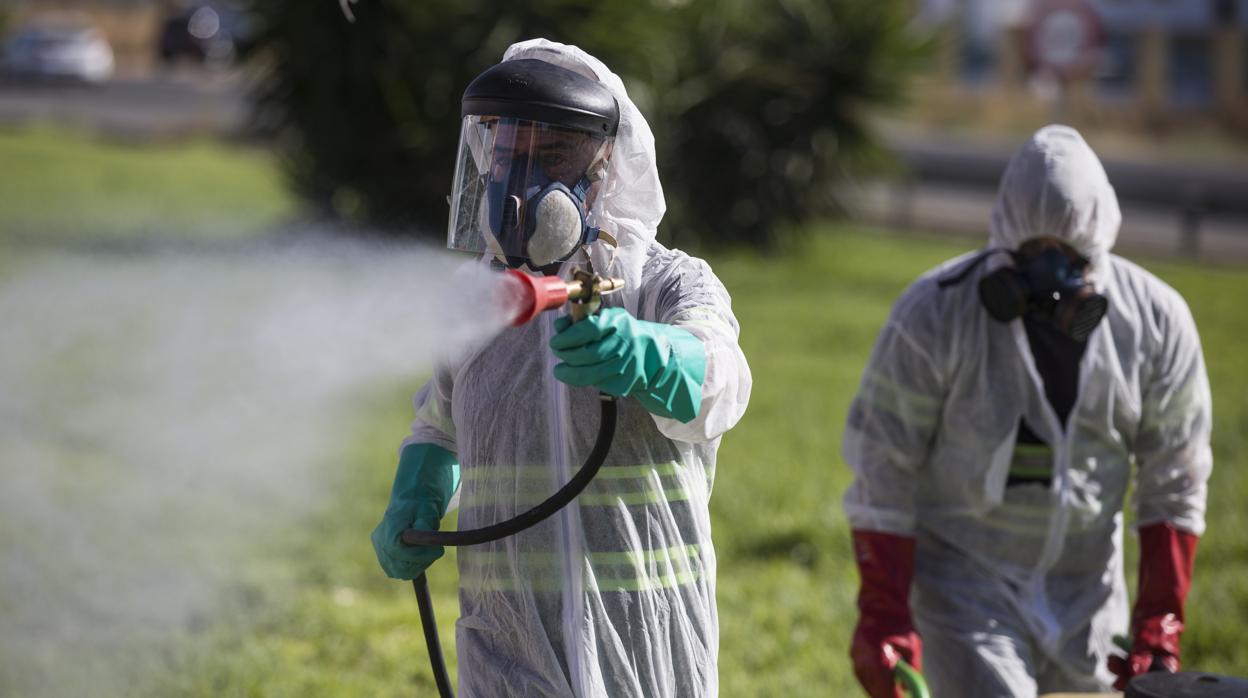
[{"x": 500, "y": 530}]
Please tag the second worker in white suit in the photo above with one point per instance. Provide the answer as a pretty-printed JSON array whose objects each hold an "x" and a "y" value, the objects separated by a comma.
[{"x": 1011, "y": 398}]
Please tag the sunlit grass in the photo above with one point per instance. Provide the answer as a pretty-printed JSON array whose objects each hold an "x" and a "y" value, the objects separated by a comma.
[
  {"x": 786, "y": 579},
  {"x": 314, "y": 615},
  {"x": 323, "y": 619},
  {"x": 58, "y": 186}
]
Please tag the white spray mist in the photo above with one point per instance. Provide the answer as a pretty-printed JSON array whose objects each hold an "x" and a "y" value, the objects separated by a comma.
[{"x": 157, "y": 410}]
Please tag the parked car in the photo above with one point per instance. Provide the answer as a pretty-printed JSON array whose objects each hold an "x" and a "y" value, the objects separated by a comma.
[
  {"x": 50, "y": 52},
  {"x": 210, "y": 33}
]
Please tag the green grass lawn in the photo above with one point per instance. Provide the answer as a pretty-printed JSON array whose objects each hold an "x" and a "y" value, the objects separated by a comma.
[
  {"x": 786, "y": 580},
  {"x": 318, "y": 617},
  {"x": 57, "y": 187}
]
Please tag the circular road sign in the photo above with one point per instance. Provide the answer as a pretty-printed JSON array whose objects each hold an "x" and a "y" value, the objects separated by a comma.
[{"x": 1064, "y": 38}]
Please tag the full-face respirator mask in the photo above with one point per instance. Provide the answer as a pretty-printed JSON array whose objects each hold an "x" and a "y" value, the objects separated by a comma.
[
  {"x": 1043, "y": 284},
  {"x": 536, "y": 220},
  {"x": 533, "y": 153}
]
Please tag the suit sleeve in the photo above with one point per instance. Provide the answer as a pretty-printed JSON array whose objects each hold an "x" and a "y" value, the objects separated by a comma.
[
  {"x": 890, "y": 427},
  {"x": 688, "y": 295},
  {"x": 433, "y": 423},
  {"x": 1172, "y": 447}
]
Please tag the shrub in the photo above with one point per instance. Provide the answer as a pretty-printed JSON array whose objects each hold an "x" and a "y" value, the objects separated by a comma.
[{"x": 758, "y": 107}]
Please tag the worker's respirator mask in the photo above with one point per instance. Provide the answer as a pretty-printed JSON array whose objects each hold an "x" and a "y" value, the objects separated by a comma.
[
  {"x": 533, "y": 153},
  {"x": 1046, "y": 285},
  {"x": 1043, "y": 283}
]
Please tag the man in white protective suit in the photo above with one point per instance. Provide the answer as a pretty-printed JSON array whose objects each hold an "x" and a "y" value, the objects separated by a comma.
[
  {"x": 614, "y": 595},
  {"x": 1009, "y": 399}
]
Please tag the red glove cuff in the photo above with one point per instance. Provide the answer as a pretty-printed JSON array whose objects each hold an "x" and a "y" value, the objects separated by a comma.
[
  {"x": 886, "y": 566},
  {"x": 1167, "y": 556},
  {"x": 885, "y": 632}
]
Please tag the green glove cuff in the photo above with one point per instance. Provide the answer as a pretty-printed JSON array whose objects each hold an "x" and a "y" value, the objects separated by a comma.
[
  {"x": 427, "y": 476},
  {"x": 675, "y": 390},
  {"x": 424, "y": 483},
  {"x": 661, "y": 365}
]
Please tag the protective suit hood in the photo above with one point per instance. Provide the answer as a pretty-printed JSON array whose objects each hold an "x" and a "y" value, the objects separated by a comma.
[
  {"x": 1055, "y": 186},
  {"x": 631, "y": 204}
]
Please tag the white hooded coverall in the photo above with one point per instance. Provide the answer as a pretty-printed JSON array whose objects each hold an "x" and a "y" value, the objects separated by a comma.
[
  {"x": 615, "y": 594},
  {"x": 1019, "y": 589}
]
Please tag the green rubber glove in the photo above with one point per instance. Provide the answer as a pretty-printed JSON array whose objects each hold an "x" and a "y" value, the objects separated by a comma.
[
  {"x": 660, "y": 365},
  {"x": 423, "y": 485}
]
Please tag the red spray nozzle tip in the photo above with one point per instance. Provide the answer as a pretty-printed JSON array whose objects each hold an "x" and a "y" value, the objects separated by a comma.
[{"x": 538, "y": 293}]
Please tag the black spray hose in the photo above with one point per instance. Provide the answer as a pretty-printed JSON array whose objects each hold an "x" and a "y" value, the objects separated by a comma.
[
  {"x": 539, "y": 513},
  {"x": 430, "y": 624},
  {"x": 498, "y": 531}
]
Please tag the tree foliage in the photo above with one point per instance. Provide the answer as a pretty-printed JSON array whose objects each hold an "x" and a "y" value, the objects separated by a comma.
[
  {"x": 757, "y": 107},
  {"x": 764, "y": 110}
]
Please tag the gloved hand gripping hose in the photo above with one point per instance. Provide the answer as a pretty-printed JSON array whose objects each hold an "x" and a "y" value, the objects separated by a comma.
[
  {"x": 498, "y": 531},
  {"x": 1167, "y": 558},
  {"x": 585, "y": 294},
  {"x": 539, "y": 513},
  {"x": 885, "y": 634}
]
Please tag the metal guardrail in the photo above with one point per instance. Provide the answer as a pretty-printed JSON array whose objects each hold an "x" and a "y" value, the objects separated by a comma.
[
  {"x": 1193, "y": 191},
  {"x": 1221, "y": 188}
]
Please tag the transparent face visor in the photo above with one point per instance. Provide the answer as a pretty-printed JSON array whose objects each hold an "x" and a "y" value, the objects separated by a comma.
[{"x": 524, "y": 190}]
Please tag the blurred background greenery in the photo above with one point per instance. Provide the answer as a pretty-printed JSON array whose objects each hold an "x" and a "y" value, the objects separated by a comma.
[
  {"x": 774, "y": 122},
  {"x": 759, "y": 105}
]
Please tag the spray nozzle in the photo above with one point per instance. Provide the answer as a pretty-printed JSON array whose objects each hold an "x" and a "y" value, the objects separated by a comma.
[{"x": 583, "y": 293}]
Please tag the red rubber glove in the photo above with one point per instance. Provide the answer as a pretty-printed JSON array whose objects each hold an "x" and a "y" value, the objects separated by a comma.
[
  {"x": 1167, "y": 556},
  {"x": 885, "y": 632}
]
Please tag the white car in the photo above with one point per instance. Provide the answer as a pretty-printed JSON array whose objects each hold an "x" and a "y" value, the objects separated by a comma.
[{"x": 64, "y": 53}]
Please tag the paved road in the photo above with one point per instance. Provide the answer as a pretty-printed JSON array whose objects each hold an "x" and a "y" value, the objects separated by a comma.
[
  {"x": 166, "y": 104},
  {"x": 1150, "y": 230},
  {"x": 951, "y": 188},
  {"x": 1184, "y": 208},
  {"x": 1209, "y": 186}
]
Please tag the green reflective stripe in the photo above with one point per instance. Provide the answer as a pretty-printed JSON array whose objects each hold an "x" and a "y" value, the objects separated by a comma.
[
  {"x": 548, "y": 585},
  {"x": 1174, "y": 416},
  {"x": 602, "y": 584},
  {"x": 676, "y": 553},
  {"x": 510, "y": 472},
  {"x": 698, "y": 315},
  {"x": 628, "y": 485},
  {"x": 1023, "y": 529},
  {"x": 1026, "y": 519},
  {"x": 606, "y": 499},
  {"x": 895, "y": 399},
  {"x": 1178, "y": 409},
  {"x": 587, "y": 498},
  {"x": 639, "y": 471},
  {"x": 1022, "y": 519},
  {"x": 1039, "y": 511},
  {"x": 607, "y": 571},
  {"x": 544, "y": 472},
  {"x": 1019, "y": 470},
  {"x": 1033, "y": 450},
  {"x": 1032, "y": 460},
  {"x": 666, "y": 581}
]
